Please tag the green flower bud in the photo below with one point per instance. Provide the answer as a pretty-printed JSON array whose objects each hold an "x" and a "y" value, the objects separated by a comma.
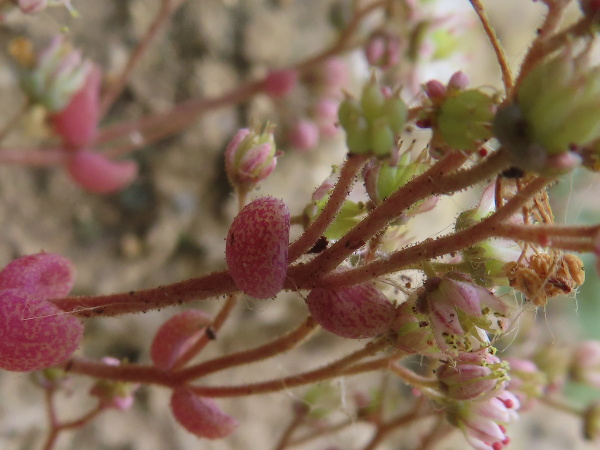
[
  {"x": 372, "y": 100},
  {"x": 396, "y": 112},
  {"x": 381, "y": 137},
  {"x": 464, "y": 120},
  {"x": 372, "y": 123},
  {"x": 357, "y": 137},
  {"x": 560, "y": 103},
  {"x": 349, "y": 113},
  {"x": 383, "y": 178}
]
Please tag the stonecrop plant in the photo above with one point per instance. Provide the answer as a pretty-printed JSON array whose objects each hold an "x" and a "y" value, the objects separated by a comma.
[{"x": 445, "y": 335}]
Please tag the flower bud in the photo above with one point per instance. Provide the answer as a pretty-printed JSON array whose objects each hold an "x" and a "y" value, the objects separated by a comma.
[
  {"x": 527, "y": 382},
  {"x": 472, "y": 376},
  {"x": 279, "y": 83},
  {"x": 325, "y": 115},
  {"x": 250, "y": 157},
  {"x": 257, "y": 247},
  {"x": 464, "y": 120},
  {"x": 56, "y": 76},
  {"x": 383, "y": 178},
  {"x": 372, "y": 123},
  {"x": 458, "y": 81},
  {"x": 555, "y": 112},
  {"x": 304, "y": 135},
  {"x": 201, "y": 416},
  {"x": 355, "y": 312},
  {"x": 484, "y": 422},
  {"x": 114, "y": 394},
  {"x": 383, "y": 50},
  {"x": 585, "y": 366}
]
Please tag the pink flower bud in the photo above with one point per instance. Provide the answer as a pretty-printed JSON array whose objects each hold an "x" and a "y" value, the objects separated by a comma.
[
  {"x": 257, "y": 247},
  {"x": 325, "y": 113},
  {"x": 41, "y": 276},
  {"x": 250, "y": 157},
  {"x": 58, "y": 73},
  {"x": 332, "y": 76},
  {"x": 527, "y": 382},
  {"x": 176, "y": 336},
  {"x": 35, "y": 333},
  {"x": 96, "y": 173},
  {"x": 477, "y": 375},
  {"x": 458, "y": 81},
  {"x": 435, "y": 90},
  {"x": 354, "y": 312},
  {"x": 201, "y": 416},
  {"x": 383, "y": 50},
  {"x": 114, "y": 394},
  {"x": 77, "y": 123},
  {"x": 279, "y": 83},
  {"x": 304, "y": 135},
  {"x": 585, "y": 366}
]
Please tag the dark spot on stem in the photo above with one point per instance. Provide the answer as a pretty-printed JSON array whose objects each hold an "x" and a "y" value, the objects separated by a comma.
[{"x": 210, "y": 333}]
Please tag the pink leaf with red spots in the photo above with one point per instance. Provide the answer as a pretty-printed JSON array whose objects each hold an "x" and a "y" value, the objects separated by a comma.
[{"x": 257, "y": 247}]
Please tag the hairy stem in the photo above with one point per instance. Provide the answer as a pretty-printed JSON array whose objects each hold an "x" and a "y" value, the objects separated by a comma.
[
  {"x": 507, "y": 76},
  {"x": 432, "y": 182},
  {"x": 341, "y": 190},
  {"x": 441, "y": 246},
  {"x": 337, "y": 368},
  {"x": 275, "y": 347},
  {"x": 167, "y": 8}
]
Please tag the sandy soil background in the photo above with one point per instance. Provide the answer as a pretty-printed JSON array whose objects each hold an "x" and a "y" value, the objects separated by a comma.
[{"x": 171, "y": 223}]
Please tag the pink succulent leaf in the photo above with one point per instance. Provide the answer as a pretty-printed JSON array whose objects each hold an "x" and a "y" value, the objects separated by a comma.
[
  {"x": 257, "y": 247},
  {"x": 40, "y": 276},
  {"x": 78, "y": 122},
  {"x": 176, "y": 336},
  {"x": 32, "y": 6},
  {"x": 354, "y": 312},
  {"x": 201, "y": 416},
  {"x": 96, "y": 173},
  {"x": 34, "y": 333}
]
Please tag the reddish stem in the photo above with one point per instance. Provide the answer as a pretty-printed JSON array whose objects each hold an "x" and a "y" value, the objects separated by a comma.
[
  {"x": 340, "y": 367},
  {"x": 215, "y": 327},
  {"x": 167, "y": 8},
  {"x": 337, "y": 198},
  {"x": 432, "y": 182},
  {"x": 433, "y": 248}
]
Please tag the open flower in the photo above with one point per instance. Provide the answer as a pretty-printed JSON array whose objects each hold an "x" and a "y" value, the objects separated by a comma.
[
  {"x": 484, "y": 422},
  {"x": 461, "y": 313}
]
